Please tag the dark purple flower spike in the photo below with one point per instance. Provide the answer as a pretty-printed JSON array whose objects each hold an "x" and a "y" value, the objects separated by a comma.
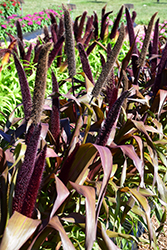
[
  {"x": 110, "y": 120},
  {"x": 25, "y": 90},
  {"x": 26, "y": 170},
  {"x": 34, "y": 185},
  {"x": 85, "y": 62}
]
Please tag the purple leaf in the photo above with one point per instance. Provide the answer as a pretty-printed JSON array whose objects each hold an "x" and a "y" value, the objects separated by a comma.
[
  {"x": 104, "y": 25},
  {"x": 28, "y": 54},
  {"x": 88, "y": 39},
  {"x": 106, "y": 162},
  {"x": 25, "y": 90},
  {"x": 55, "y": 223},
  {"x": 107, "y": 242},
  {"x": 89, "y": 193},
  {"x": 62, "y": 194},
  {"x": 81, "y": 25},
  {"x": 116, "y": 23},
  {"x": 95, "y": 24},
  {"x": 75, "y": 27},
  {"x": 132, "y": 41},
  {"x": 19, "y": 227},
  {"x": 85, "y": 62},
  {"x": 90, "y": 48}
]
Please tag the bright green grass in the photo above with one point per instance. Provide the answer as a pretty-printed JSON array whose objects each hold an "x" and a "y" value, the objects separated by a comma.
[{"x": 145, "y": 8}]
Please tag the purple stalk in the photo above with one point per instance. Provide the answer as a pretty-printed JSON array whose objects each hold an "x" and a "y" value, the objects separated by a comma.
[
  {"x": 55, "y": 116},
  {"x": 34, "y": 184},
  {"x": 110, "y": 120},
  {"x": 26, "y": 170},
  {"x": 25, "y": 90},
  {"x": 116, "y": 23},
  {"x": 85, "y": 62},
  {"x": 55, "y": 50}
]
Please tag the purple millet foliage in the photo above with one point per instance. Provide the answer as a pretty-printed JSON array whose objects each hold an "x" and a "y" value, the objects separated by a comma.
[
  {"x": 110, "y": 120},
  {"x": 116, "y": 23},
  {"x": 34, "y": 184},
  {"x": 26, "y": 170},
  {"x": 81, "y": 25},
  {"x": 25, "y": 90},
  {"x": 85, "y": 62},
  {"x": 55, "y": 50}
]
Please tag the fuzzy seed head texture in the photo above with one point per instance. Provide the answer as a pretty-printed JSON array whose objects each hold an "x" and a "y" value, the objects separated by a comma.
[
  {"x": 40, "y": 83},
  {"x": 26, "y": 170},
  {"x": 34, "y": 185},
  {"x": 109, "y": 64},
  {"x": 70, "y": 46},
  {"x": 146, "y": 42}
]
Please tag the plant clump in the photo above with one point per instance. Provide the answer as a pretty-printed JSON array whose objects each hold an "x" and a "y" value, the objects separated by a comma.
[{"x": 83, "y": 152}]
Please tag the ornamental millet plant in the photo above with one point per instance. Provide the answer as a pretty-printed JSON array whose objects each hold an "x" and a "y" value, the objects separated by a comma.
[{"x": 30, "y": 172}]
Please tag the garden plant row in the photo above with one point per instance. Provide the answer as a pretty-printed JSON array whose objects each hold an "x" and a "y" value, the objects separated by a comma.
[{"x": 83, "y": 152}]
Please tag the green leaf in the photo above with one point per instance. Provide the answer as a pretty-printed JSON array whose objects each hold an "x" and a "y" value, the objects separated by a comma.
[{"x": 18, "y": 231}]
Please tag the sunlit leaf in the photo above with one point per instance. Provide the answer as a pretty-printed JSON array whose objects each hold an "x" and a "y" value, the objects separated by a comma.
[
  {"x": 89, "y": 194},
  {"x": 18, "y": 231},
  {"x": 55, "y": 223},
  {"x": 62, "y": 194}
]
